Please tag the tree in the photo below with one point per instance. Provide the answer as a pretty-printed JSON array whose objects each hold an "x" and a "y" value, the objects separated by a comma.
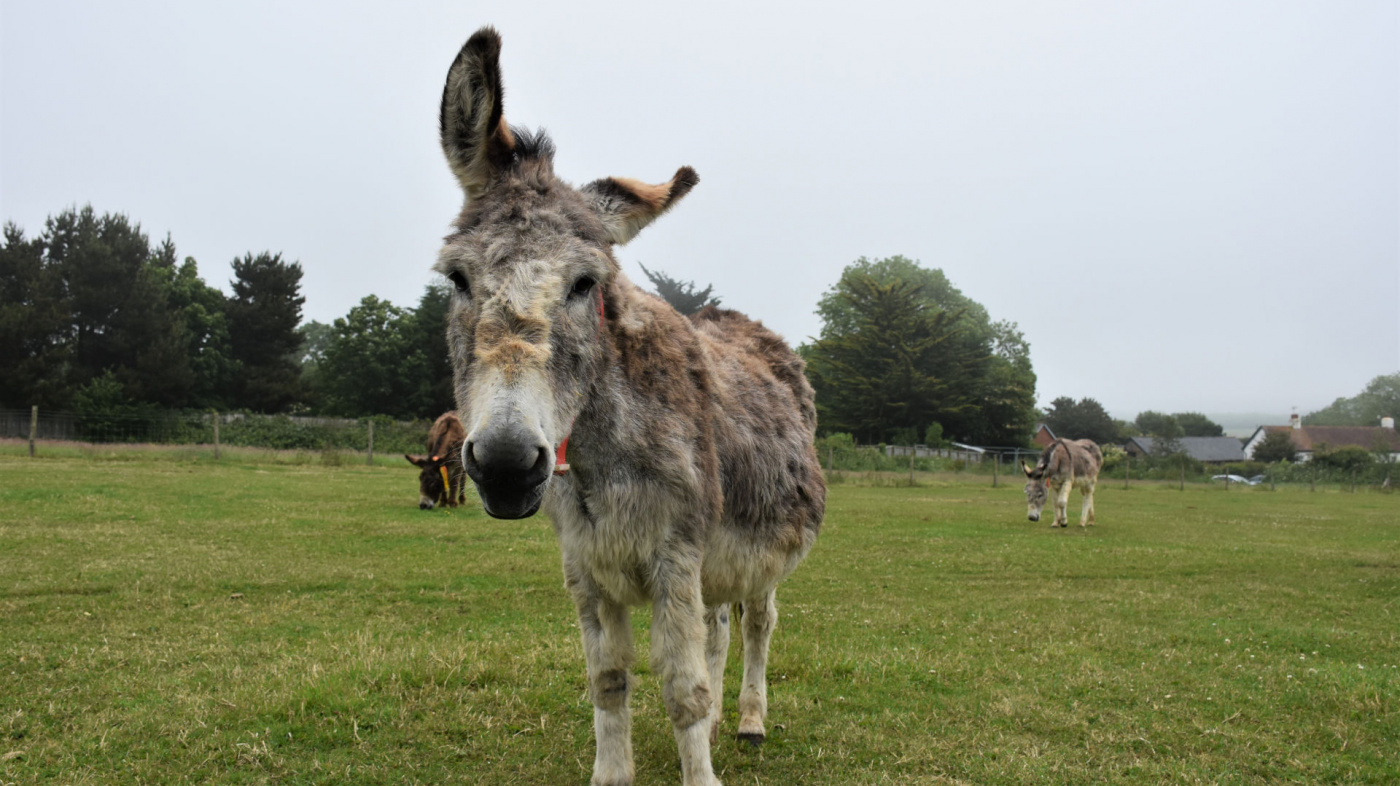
[
  {"x": 682, "y": 295},
  {"x": 35, "y": 323},
  {"x": 436, "y": 392},
  {"x": 992, "y": 377},
  {"x": 1380, "y": 398},
  {"x": 897, "y": 365},
  {"x": 87, "y": 297},
  {"x": 1275, "y": 446},
  {"x": 1159, "y": 425},
  {"x": 1083, "y": 419},
  {"x": 375, "y": 363},
  {"x": 1194, "y": 424},
  {"x": 203, "y": 324},
  {"x": 263, "y": 315}
]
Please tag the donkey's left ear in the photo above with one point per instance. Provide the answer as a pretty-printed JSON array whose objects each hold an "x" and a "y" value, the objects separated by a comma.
[{"x": 627, "y": 205}]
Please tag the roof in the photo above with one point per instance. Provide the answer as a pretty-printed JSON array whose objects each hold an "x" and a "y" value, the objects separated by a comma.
[
  {"x": 1310, "y": 438},
  {"x": 1048, "y": 430},
  {"x": 1202, "y": 448}
]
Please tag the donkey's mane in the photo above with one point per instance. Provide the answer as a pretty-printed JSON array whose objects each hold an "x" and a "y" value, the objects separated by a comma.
[{"x": 531, "y": 145}]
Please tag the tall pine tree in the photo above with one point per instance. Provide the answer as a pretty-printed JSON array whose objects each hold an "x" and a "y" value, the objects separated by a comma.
[{"x": 263, "y": 315}]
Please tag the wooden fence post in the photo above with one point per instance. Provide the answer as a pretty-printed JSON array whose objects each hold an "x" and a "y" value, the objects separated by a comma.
[
  {"x": 911, "y": 468},
  {"x": 1312, "y": 477},
  {"x": 33, "y": 427},
  {"x": 1183, "y": 476},
  {"x": 1127, "y": 468},
  {"x": 1272, "y": 487},
  {"x": 370, "y": 459},
  {"x": 216, "y": 433},
  {"x": 996, "y": 468}
]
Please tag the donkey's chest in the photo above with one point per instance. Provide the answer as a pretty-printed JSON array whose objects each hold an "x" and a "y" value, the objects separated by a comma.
[{"x": 614, "y": 538}]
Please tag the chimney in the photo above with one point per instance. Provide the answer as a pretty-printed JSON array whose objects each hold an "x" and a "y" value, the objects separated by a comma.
[
  {"x": 1388, "y": 422},
  {"x": 1295, "y": 421}
]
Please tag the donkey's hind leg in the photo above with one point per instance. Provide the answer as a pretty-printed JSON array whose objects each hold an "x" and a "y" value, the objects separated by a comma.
[
  {"x": 760, "y": 617},
  {"x": 716, "y": 652}
]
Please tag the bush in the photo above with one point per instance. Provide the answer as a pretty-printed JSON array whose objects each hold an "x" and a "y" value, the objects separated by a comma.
[{"x": 1347, "y": 459}]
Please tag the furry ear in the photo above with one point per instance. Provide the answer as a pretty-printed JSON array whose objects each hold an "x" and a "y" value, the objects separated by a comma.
[
  {"x": 417, "y": 461},
  {"x": 1026, "y": 470},
  {"x": 627, "y": 205},
  {"x": 472, "y": 123}
]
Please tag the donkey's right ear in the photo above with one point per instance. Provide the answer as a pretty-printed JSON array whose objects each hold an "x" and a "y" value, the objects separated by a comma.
[
  {"x": 417, "y": 461},
  {"x": 472, "y": 122}
]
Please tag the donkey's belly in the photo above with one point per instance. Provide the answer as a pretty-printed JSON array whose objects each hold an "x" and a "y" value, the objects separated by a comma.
[{"x": 739, "y": 566}]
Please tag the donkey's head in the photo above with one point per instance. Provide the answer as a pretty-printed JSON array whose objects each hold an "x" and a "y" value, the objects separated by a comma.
[
  {"x": 1036, "y": 491},
  {"x": 531, "y": 259},
  {"x": 433, "y": 480}
]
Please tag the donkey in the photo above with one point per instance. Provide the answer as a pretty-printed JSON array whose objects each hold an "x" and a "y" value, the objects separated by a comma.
[
  {"x": 673, "y": 455},
  {"x": 442, "y": 479},
  {"x": 1064, "y": 464}
]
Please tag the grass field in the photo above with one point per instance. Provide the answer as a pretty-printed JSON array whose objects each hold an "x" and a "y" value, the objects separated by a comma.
[{"x": 175, "y": 620}]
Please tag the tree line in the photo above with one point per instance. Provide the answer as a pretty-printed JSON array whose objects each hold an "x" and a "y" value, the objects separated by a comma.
[{"x": 95, "y": 317}]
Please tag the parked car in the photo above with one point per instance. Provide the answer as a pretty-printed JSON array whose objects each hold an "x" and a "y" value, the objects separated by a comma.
[{"x": 1254, "y": 481}]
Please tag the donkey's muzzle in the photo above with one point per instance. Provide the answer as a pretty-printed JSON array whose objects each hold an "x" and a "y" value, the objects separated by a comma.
[{"x": 509, "y": 475}]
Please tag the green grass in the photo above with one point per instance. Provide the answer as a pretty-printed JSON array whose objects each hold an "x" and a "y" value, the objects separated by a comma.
[{"x": 284, "y": 621}]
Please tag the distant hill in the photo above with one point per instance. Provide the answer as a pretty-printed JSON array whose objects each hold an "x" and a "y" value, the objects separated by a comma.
[{"x": 1243, "y": 424}]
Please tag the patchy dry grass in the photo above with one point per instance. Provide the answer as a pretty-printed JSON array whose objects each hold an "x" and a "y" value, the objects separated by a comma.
[{"x": 270, "y": 621}]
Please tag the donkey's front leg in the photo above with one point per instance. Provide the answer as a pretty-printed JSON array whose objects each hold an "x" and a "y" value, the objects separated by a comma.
[
  {"x": 1086, "y": 514},
  {"x": 760, "y": 617},
  {"x": 1062, "y": 505},
  {"x": 607, "y": 646},
  {"x": 678, "y": 656}
]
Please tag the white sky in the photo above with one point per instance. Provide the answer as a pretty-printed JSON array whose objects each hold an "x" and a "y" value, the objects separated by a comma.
[{"x": 1185, "y": 205}]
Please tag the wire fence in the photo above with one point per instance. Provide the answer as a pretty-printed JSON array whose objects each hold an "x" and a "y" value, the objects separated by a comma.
[{"x": 275, "y": 432}]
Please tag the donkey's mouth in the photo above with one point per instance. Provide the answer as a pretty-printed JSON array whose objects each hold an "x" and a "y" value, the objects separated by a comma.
[{"x": 510, "y": 503}]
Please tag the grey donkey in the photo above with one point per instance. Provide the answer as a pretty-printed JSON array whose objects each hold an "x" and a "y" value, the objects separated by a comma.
[
  {"x": 674, "y": 455},
  {"x": 1064, "y": 464}
]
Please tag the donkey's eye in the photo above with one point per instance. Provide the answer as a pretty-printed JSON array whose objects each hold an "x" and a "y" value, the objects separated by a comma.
[
  {"x": 582, "y": 286},
  {"x": 460, "y": 282}
]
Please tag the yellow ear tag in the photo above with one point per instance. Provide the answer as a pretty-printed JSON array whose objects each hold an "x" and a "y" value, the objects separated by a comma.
[{"x": 446, "y": 483}]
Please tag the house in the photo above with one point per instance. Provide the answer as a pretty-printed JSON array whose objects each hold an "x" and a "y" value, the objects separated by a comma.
[
  {"x": 1043, "y": 435},
  {"x": 1307, "y": 439},
  {"x": 1211, "y": 450}
]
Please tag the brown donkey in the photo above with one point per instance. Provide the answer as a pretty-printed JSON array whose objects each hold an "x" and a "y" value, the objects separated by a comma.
[
  {"x": 673, "y": 455},
  {"x": 442, "y": 479}
]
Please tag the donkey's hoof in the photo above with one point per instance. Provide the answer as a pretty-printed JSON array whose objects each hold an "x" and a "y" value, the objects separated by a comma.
[{"x": 753, "y": 738}]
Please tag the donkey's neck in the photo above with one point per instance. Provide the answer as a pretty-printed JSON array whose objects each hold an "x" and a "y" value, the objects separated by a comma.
[{"x": 647, "y": 410}]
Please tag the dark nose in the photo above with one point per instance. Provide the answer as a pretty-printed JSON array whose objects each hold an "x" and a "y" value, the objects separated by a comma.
[
  {"x": 425, "y": 506},
  {"x": 507, "y": 459},
  {"x": 1034, "y": 517}
]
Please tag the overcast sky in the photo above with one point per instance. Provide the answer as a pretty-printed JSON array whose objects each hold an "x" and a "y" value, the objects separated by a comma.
[{"x": 1185, "y": 205}]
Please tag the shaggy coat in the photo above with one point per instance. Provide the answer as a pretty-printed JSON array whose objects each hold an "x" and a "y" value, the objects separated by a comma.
[
  {"x": 442, "y": 479},
  {"x": 1064, "y": 464},
  {"x": 691, "y": 480}
]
